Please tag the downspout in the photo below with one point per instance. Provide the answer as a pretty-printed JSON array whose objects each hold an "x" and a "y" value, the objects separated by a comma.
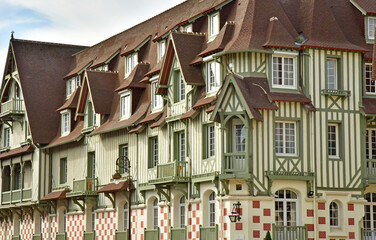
[{"x": 40, "y": 170}]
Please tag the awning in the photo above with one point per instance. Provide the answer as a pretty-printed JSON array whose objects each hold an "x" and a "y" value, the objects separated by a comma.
[
  {"x": 16, "y": 152},
  {"x": 55, "y": 195},
  {"x": 115, "y": 187}
]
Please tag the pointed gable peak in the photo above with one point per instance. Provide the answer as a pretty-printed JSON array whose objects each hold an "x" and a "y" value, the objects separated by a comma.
[{"x": 278, "y": 36}]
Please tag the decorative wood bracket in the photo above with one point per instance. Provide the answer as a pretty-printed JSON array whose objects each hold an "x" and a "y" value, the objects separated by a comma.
[
  {"x": 41, "y": 211},
  {"x": 181, "y": 188},
  {"x": 82, "y": 206},
  {"x": 250, "y": 186},
  {"x": 224, "y": 186},
  {"x": 52, "y": 204},
  {"x": 4, "y": 214},
  {"x": 111, "y": 196},
  {"x": 28, "y": 210},
  {"x": 165, "y": 192},
  {"x": 17, "y": 212}
]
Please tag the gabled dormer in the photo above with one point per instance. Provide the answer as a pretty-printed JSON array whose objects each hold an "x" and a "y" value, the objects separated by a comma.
[
  {"x": 368, "y": 10},
  {"x": 73, "y": 79},
  {"x": 133, "y": 51},
  {"x": 106, "y": 62}
]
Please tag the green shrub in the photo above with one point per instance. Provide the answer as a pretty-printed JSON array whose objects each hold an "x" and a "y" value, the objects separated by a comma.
[{"x": 268, "y": 237}]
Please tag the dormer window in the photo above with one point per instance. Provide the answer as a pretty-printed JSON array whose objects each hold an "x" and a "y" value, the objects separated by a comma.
[
  {"x": 188, "y": 28},
  {"x": 157, "y": 101},
  {"x": 214, "y": 24},
  {"x": 213, "y": 76},
  {"x": 371, "y": 27},
  {"x": 370, "y": 85},
  {"x": 131, "y": 62},
  {"x": 161, "y": 49},
  {"x": 90, "y": 116},
  {"x": 125, "y": 105},
  {"x": 284, "y": 71},
  {"x": 65, "y": 122},
  {"x": 72, "y": 84},
  {"x": 102, "y": 68}
]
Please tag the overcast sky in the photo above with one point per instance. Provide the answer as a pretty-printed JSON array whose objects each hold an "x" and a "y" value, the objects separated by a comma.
[{"x": 81, "y": 22}]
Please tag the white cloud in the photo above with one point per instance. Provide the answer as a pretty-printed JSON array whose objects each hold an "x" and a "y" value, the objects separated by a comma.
[
  {"x": 82, "y": 22},
  {"x": 3, "y": 55}
]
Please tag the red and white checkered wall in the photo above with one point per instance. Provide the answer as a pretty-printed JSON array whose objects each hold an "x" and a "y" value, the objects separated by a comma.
[
  {"x": 105, "y": 225},
  {"x": 75, "y": 226}
]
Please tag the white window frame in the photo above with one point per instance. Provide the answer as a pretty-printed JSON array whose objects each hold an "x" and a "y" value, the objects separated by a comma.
[
  {"x": 154, "y": 151},
  {"x": 6, "y": 141},
  {"x": 180, "y": 88},
  {"x": 125, "y": 216},
  {"x": 181, "y": 141},
  {"x": 285, "y": 202},
  {"x": 336, "y": 140},
  {"x": 155, "y": 214},
  {"x": 369, "y": 211},
  {"x": 161, "y": 49},
  {"x": 210, "y": 140},
  {"x": 332, "y": 74},
  {"x": 334, "y": 218},
  {"x": 214, "y": 24},
  {"x": 131, "y": 61},
  {"x": 63, "y": 171},
  {"x": 368, "y": 79},
  {"x": 182, "y": 212},
  {"x": 283, "y": 153},
  {"x": 65, "y": 122},
  {"x": 213, "y": 76},
  {"x": 125, "y": 105},
  {"x": 211, "y": 214},
  {"x": 188, "y": 28},
  {"x": 157, "y": 100},
  {"x": 371, "y": 27},
  {"x": 236, "y": 123},
  {"x": 284, "y": 56}
]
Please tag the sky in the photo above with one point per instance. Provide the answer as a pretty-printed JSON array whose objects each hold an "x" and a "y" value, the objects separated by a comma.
[{"x": 80, "y": 22}]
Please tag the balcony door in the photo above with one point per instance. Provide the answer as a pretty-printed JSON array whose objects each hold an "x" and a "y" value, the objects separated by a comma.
[
  {"x": 369, "y": 219},
  {"x": 371, "y": 151}
]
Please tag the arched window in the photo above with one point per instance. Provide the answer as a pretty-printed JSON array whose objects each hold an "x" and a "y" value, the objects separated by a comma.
[
  {"x": 125, "y": 217},
  {"x": 285, "y": 208},
  {"x": 369, "y": 220},
  {"x": 182, "y": 212},
  {"x": 334, "y": 214},
  {"x": 212, "y": 209},
  {"x": 155, "y": 214}
]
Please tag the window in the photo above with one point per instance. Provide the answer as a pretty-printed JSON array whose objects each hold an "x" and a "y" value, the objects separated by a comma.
[
  {"x": 92, "y": 220},
  {"x": 285, "y": 138},
  {"x": 370, "y": 85},
  {"x": 161, "y": 49},
  {"x": 188, "y": 28},
  {"x": 125, "y": 217},
  {"x": 283, "y": 71},
  {"x": 239, "y": 141},
  {"x": 27, "y": 130},
  {"x": 210, "y": 141},
  {"x": 179, "y": 86},
  {"x": 91, "y": 165},
  {"x": 180, "y": 146},
  {"x": 211, "y": 208},
  {"x": 17, "y": 177},
  {"x": 65, "y": 122},
  {"x": 157, "y": 100},
  {"x": 369, "y": 219},
  {"x": 123, "y": 164},
  {"x": 6, "y": 137},
  {"x": 332, "y": 73},
  {"x": 72, "y": 84},
  {"x": 153, "y": 152},
  {"x": 213, "y": 76},
  {"x": 182, "y": 212},
  {"x": 65, "y": 221},
  {"x": 155, "y": 214},
  {"x": 91, "y": 117},
  {"x": 63, "y": 170},
  {"x": 285, "y": 208},
  {"x": 333, "y": 140},
  {"x": 371, "y": 27},
  {"x": 334, "y": 214},
  {"x": 214, "y": 24},
  {"x": 131, "y": 62},
  {"x": 125, "y": 105}
]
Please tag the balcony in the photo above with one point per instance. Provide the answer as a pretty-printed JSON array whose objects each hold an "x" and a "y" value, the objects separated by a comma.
[
  {"x": 336, "y": 92},
  {"x": 15, "y": 196},
  {"x": 12, "y": 107},
  {"x": 174, "y": 172},
  {"x": 367, "y": 234},
  {"x": 37, "y": 237},
  {"x": 61, "y": 236},
  {"x": 84, "y": 187},
  {"x": 235, "y": 162},
  {"x": 209, "y": 233},
  {"x": 179, "y": 233},
  {"x": 89, "y": 235},
  {"x": 121, "y": 235},
  {"x": 151, "y": 234},
  {"x": 290, "y": 232}
]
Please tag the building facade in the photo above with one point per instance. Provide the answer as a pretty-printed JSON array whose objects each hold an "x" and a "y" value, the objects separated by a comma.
[{"x": 262, "y": 111}]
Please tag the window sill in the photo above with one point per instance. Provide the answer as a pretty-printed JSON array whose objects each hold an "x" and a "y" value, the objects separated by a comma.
[
  {"x": 88, "y": 129},
  {"x": 4, "y": 149},
  {"x": 336, "y": 92}
]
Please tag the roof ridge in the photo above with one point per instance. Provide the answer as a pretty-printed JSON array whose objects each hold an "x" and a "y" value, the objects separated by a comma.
[{"x": 47, "y": 43}]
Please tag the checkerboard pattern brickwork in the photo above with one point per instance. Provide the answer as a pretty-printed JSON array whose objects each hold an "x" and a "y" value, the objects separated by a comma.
[
  {"x": 27, "y": 229},
  {"x": 2, "y": 230},
  {"x": 105, "y": 225},
  {"x": 75, "y": 226},
  {"x": 194, "y": 221},
  {"x": 10, "y": 230},
  {"x": 134, "y": 220},
  {"x": 52, "y": 227},
  {"x": 164, "y": 222},
  {"x": 45, "y": 226}
]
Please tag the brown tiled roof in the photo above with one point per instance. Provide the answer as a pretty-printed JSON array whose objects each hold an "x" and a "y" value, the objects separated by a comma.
[
  {"x": 135, "y": 77},
  {"x": 203, "y": 101},
  {"x": 219, "y": 43},
  {"x": 55, "y": 195},
  {"x": 107, "y": 55},
  {"x": 132, "y": 43},
  {"x": 101, "y": 86},
  {"x": 41, "y": 67},
  {"x": 16, "y": 152},
  {"x": 156, "y": 69},
  {"x": 190, "y": 114},
  {"x": 74, "y": 135},
  {"x": 72, "y": 101},
  {"x": 137, "y": 129},
  {"x": 113, "y": 187},
  {"x": 79, "y": 68},
  {"x": 289, "y": 97},
  {"x": 278, "y": 36},
  {"x": 210, "y": 109},
  {"x": 369, "y": 105},
  {"x": 161, "y": 120},
  {"x": 150, "y": 116},
  {"x": 369, "y": 6}
]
